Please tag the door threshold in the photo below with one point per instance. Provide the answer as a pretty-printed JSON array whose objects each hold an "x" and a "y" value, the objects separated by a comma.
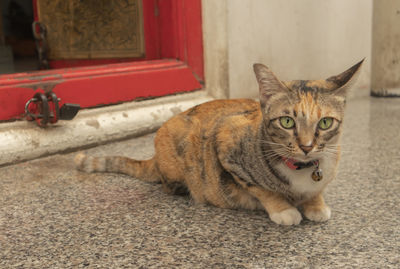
[{"x": 22, "y": 140}]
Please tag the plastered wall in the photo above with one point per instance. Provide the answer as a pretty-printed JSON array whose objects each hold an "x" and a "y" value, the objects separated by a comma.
[{"x": 297, "y": 39}]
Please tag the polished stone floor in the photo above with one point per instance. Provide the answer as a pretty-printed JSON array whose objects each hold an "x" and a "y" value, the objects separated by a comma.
[{"x": 52, "y": 216}]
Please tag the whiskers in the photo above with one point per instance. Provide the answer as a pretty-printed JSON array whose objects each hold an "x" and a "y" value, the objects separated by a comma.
[
  {"x": 275, "y": 151},
  {"x": 331, "y": 150},
  {"x": 333, "y": 147},
  {"x": 271, "y": 143}
]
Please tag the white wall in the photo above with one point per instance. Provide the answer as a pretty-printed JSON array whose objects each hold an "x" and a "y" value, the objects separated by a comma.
[
  {"x": 215, "y": 47},
  {"x": 297, "y": 39}
]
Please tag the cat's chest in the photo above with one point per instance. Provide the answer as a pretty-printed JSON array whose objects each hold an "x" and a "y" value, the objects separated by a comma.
[{"x": 301, "y": 182}]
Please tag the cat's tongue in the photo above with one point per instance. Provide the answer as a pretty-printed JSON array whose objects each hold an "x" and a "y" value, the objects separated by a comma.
[{"x": 290, "y": 163}]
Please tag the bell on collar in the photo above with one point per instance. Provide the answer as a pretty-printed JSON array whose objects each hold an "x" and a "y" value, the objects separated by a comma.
[{"x": 317, "y": 174}]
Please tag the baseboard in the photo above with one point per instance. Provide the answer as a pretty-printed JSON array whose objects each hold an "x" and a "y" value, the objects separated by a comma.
[{"x": 393, "y": 92}]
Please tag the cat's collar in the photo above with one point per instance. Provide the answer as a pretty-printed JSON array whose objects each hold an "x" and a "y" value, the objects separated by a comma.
[{"x": 296, "y": 165}]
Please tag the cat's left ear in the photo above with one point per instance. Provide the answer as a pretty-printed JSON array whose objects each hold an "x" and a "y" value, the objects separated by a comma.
[{"x": 345, "y": 80}]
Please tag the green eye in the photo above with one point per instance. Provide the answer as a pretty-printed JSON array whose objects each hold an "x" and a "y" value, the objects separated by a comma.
[
  {"x": 286, "y": 122},
  {"x": 325, "y": 123}
]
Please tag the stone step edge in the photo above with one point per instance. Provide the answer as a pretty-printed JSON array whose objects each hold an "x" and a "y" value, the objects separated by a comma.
[{"x": 22, "y": 141}]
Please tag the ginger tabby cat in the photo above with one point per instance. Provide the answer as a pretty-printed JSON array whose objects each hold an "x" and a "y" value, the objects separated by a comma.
[{"x": 277, "y": 154}]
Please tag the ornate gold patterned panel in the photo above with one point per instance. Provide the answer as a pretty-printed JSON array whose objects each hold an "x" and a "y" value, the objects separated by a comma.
[{"x": 90, "y": 29}]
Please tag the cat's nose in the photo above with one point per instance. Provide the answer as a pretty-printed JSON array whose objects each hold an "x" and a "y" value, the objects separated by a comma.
[{"x": 306, "y": 149}]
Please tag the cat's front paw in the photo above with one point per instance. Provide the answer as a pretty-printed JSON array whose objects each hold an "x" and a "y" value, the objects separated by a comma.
[
  {"x": 318, "y": 214},
  {"x": 290, "y": 216}
]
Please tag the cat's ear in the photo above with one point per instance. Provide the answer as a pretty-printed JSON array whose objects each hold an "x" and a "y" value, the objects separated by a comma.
[
  {"x": 345, "y": 80},
  {"x": 269, "y": 84}
]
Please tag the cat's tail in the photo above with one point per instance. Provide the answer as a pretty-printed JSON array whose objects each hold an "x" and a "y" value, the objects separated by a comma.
[{"x": 143, "y": 170}]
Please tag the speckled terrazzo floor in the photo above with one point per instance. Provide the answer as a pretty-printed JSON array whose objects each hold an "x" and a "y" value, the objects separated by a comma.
[{"x": 54, "y": 217}]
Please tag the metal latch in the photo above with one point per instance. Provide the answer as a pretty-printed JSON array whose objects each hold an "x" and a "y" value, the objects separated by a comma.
[
  {"x": 44, "y": 109},
  {"x": 40, "y": 34}
]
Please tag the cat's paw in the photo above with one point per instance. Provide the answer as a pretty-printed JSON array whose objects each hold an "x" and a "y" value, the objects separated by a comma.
[
  {"x": 290, "y": 216},
  {"x": 320, "y": 214}
]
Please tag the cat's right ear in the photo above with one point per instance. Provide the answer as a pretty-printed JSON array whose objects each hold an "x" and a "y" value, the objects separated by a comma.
[{"x": 269, "y": 84}]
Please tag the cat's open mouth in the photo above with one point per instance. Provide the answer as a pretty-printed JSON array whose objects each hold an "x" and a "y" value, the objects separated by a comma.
[{"x": 297, "y": 165}]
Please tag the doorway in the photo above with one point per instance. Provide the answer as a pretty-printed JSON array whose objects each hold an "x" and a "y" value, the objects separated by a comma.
[{"x": 171, "y": 59}]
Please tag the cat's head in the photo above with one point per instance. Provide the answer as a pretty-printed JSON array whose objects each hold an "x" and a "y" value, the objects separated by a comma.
[{"x": 303, "y": 118}]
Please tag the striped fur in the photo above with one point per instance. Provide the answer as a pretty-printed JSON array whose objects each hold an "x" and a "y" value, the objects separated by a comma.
[{"x": 228, "y": 153}]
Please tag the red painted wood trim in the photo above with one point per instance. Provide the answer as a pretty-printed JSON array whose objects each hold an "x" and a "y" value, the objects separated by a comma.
[
  {"x": 99, "y": 70},
  {"x": 94, "y": 86},
  {"x": 181, "y": 33},
  {"x": 193, "y": 36},
  {"x": 151, "y": 29}
]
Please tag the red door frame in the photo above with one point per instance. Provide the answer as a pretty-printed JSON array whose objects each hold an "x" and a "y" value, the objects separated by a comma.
[{"x": 173, "y": 63}]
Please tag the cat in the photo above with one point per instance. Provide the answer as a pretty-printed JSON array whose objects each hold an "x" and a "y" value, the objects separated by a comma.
[{"x": 276, "y": 154}]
